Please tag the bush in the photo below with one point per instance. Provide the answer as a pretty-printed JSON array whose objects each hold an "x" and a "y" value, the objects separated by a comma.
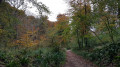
[
  {"x": 27, "y": 57},
  {"x": 117, "y": 61},
  {"x": 102, "y": 56},
  {"x": 52, "y": 58},
  {"x": 106, "y": 55}
]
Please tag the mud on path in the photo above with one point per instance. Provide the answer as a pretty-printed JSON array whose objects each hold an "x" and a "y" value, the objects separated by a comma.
[{"x": 73, "y": 60}]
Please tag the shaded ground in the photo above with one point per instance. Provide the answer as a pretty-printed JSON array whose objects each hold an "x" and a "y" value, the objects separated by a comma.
[
  {"x": 74, "y": 60},
  {"x": 2, "y": 64}
]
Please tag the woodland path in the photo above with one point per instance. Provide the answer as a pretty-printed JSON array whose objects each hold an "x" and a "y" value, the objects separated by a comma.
[{"x": 73, "y": 60}]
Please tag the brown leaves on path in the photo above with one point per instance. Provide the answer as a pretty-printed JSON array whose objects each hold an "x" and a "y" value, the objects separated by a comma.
[{"x": 73, "y": 60}]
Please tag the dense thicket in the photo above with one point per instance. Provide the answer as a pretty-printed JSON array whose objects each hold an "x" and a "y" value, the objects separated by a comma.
[
  {"x": 91, "y": 29},
  {"x": 26, "y": 41},
  {"x": 95, "y": 25}
]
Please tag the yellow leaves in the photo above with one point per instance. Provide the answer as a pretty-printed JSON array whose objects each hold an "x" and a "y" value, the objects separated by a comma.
[
  {"x": 43, "y": 38},
  {"x": 112, "y": 25},
  {"x": 28, "y": 39},
  {"x": 2, "y": 31},
  {"x": 26, "y": 42},
  {"x": 115, "y": 18},
  {"x": 30, "y": 32}
]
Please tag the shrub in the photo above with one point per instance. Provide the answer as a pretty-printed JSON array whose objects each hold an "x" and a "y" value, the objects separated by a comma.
[
  {"x": 102, "y": 56},
  {"x": 27, "y": 57},
  {"x": 117, "y": 61}
]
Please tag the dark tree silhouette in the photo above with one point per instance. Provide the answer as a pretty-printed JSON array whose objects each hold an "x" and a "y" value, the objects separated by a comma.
[{"x": 0, "y": 1}]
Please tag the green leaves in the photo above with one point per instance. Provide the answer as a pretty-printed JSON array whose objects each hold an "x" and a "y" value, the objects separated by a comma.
[{"x": 8, "y": 22}]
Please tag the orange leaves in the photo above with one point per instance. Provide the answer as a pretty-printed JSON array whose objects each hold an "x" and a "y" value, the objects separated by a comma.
[
  {"x": 60, "y": 27},
  {"x": 62, "y": 17},
  {"x": 43, "y": 38},
  {"x": 50, "y": 24},
  {"x": 28, "y": 39}
]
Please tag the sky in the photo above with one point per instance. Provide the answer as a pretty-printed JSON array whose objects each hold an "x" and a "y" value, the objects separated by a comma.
[{"x": 55, "y": 6}]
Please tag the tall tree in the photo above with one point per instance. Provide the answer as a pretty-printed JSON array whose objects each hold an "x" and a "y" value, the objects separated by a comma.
[
  {"x": 108, "y": 14},
  {"x": 81, "y": 11}
]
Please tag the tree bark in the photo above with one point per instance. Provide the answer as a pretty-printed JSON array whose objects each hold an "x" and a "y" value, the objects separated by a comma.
[
  {"x": 78, "y": 40},
  {"x": 118, "y": 8},
  {"x": 0, "y": 1},
  {"x": 85, "y": 39},
  {"x": 109, "y": 30}
]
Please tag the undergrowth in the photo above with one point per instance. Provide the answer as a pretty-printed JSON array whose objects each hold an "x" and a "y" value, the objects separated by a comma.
[
  {"x": 105, "y": 56},
  {"x": 27, "y": 57}
]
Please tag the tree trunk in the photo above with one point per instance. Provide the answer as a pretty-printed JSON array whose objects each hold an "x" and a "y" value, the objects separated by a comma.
[
  {"x": 78, "y": 40},
  {"x": 109, "y": 30},
  {"x": 85, "y": 32},
  {"x": 0, "y": 1},
  {"x": 82, "y": 41},
  {"x": 118, "y": 8}
]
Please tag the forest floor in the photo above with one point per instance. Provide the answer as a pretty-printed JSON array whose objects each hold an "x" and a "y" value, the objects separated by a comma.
[{"x": 73, "y": 60}]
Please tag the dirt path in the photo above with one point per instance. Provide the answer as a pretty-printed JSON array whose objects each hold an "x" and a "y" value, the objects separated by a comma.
[{"x": 74, "y": 60}]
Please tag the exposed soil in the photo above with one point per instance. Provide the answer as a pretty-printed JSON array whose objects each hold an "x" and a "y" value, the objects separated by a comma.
[{"x": 73, "y": 60}]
